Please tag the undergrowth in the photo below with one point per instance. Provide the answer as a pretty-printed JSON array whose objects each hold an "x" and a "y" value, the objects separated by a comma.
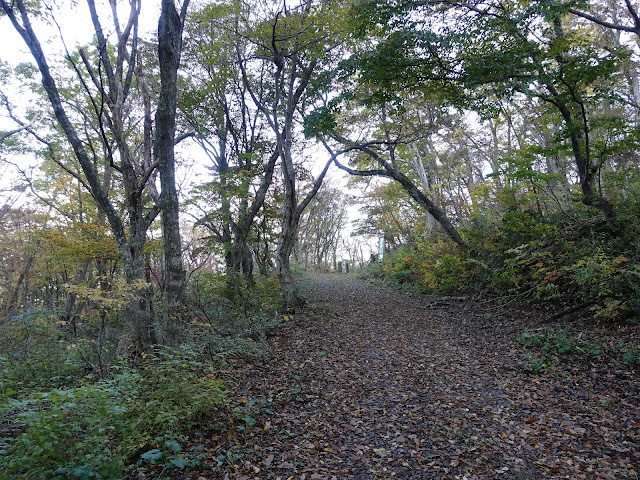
[
  {"x": 559, "y": 342},
  {"x": 95, "y": 430},
  {"x": 69, "y": 409},
  {"x": 522, "y": 255},
  {"x": 552, "y": 343}
]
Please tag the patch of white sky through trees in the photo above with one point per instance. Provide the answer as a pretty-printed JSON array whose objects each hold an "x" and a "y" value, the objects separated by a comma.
[{"x": 65, "y": 27}]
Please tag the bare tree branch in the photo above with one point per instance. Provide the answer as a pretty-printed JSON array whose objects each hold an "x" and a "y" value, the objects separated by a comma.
[{"x": 604, "y": 23}]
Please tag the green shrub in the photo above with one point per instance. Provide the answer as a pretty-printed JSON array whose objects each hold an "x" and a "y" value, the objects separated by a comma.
[
  {"x": 38, "y": 354},
  {"x": 560, "y": 342},
  {"x": 523, "y": 226},
  {"x": 445, "y": 274},
  {"x": 548, "y": 268},
  {"x": 402, "y": 276},
  {"x": 631, "y": 357},
  {"x": 171, "y": 393},
  {"x": 373, "y": 270},
  {"x": 611, "y": 282},
  {"x": 536, "y": 364},
  {"x": 93, "y": 431},
  {"x": 69, "y": 434},
  {"x": 401, "y": 262},
  {"x": 226, "y": 329},
  {"x": 266, "y": 295},
  {"x": 436, "y": 266},
  {"x": 211, "y": 297}
]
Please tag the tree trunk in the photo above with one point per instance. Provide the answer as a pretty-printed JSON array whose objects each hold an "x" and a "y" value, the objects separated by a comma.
[
  {"x": 70, "y": 299},
  {"x": 284, "y": 249},
  {"x": 291, "y": 213},
  {"x": 292, "y": 298},
  {"x": 586, "y": 171},
  {"x": 12, "y": 305},
  {"x": 169, "y": 48},
  {"x": 239, "y": 263},
  {"x": 438, "y": 214},
  {"x": 389, "y": 171},
  {"x": 130, "y": 233},
  {"x": 140, "y": 331}
]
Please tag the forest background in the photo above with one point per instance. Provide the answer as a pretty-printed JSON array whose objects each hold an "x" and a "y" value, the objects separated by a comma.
[{"x": 495, "y": 144}]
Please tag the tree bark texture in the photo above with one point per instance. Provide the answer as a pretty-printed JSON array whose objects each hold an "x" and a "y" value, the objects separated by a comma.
[{"x": 169, "y": 48}]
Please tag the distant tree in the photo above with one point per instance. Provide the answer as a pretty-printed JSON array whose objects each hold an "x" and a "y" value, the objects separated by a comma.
[
  {"x": 388, "y": 211},
  {"x": 19, "y": 249},
  {"x": 321, "y": 227},
  {"x": 232, "y": 132},
  {"x": 298, "y": 43},
  {"x": 609, "y": 14},
  {"x": 372, "y": 137}
]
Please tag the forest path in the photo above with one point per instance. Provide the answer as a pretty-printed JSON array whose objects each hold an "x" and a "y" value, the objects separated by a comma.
[{"x": 376, "y": 384}]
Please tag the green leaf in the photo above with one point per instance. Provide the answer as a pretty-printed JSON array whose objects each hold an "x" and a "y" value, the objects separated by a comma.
[
  {"x": 177, "y": 462},
  {"x": 152, "y": 455},
  {"x": 173, "y": 446}
]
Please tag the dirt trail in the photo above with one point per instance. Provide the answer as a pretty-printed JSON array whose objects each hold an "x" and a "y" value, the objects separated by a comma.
[{"x": 379, "y": 385}]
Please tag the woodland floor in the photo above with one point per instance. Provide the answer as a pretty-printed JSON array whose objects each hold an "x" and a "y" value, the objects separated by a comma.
[{"x": 375, "y": 384}]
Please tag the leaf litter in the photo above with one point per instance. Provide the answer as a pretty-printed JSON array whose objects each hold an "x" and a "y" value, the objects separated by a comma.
[{"x": 373, "y": 384}]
